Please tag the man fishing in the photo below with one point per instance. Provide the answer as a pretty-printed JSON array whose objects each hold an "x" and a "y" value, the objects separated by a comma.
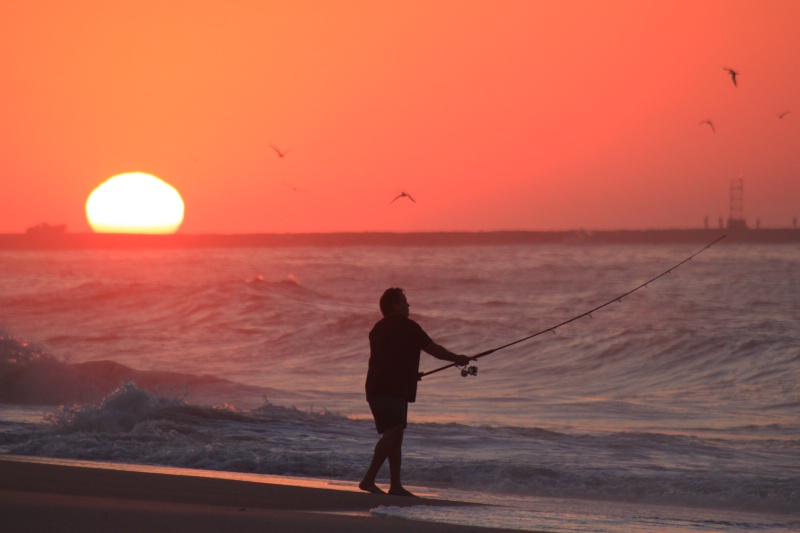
[{"x": 395, "y": 343}]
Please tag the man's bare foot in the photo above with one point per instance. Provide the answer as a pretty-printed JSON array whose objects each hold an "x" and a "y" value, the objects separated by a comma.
[
  {"x": 400, "y": 491},
  {"x": 370, "y": 487}
]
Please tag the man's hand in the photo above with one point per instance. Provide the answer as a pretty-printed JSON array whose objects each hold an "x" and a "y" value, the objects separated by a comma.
[
  {"x": 463, "y": 360},
  {"x": 440, "y": 352}
]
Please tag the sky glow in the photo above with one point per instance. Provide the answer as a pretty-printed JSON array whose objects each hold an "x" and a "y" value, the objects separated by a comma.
[{"x": 492, "y": 115}]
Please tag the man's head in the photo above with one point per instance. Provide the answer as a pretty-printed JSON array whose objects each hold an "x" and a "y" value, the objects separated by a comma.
[{"x": 394, "y": 303}]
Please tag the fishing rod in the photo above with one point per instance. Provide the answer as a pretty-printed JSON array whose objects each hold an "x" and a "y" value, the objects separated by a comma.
[{"x": 472, "y": 370}]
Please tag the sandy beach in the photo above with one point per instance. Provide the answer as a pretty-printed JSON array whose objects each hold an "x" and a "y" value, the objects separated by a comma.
[{"x": 56, "y": 495}]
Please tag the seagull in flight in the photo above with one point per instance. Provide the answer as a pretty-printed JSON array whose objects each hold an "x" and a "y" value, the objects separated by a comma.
[
  {"x": 295, "y": 189},
  {"x": 733, "y": 74},
  {"x": 708, "y": 121},
  {"x": 280, "y": 154},
  {"x": 401, "y": 195},
  {"x": 781, "y": 115}
]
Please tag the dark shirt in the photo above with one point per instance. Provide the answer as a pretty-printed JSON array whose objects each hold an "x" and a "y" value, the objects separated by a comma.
[{"x": 395, "y": 343}]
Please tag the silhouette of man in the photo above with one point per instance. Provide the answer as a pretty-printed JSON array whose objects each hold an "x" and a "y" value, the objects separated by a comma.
[{"x": 395, "y": 343}]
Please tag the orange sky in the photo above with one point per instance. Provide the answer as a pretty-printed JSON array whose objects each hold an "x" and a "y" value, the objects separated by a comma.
[{"x": 491, "y": 114}]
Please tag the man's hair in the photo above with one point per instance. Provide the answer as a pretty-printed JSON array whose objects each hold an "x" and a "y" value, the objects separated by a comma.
[{"x": 390, "y": 298}]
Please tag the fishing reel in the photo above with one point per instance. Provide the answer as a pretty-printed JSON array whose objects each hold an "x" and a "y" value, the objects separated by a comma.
[{"x": 470, "y": 370}]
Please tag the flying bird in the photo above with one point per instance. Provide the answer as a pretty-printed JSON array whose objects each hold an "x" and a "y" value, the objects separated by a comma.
[
  {"x": 280, "y": 154},
  {"x": 733, "y": 74},
  {"x": 710, "y": 124},
  {"x": 295, "y": 189},
  {"x": 401, "y": 195},
  {"x": 781, "y": 115}
]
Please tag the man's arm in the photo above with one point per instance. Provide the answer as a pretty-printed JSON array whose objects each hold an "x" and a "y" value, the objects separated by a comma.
[{"x": 440, "y": 352}]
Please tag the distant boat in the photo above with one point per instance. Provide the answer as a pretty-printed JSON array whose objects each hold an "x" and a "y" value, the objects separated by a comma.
[{"x": 46, "y": 229}]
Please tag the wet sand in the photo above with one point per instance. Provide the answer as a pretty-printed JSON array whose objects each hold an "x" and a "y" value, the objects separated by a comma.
[{"x": 54, "y": 495}]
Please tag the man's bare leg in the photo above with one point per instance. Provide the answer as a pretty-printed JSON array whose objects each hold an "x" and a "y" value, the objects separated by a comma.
[
  {"x": 395, "y": 460},
  {"x": 388, "y": 446}
]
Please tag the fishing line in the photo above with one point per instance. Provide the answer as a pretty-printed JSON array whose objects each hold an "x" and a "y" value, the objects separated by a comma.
[{"x": 472, "y": 370}]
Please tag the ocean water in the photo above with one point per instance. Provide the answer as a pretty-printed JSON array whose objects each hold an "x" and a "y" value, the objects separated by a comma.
[{"x": 674, "y": 409}]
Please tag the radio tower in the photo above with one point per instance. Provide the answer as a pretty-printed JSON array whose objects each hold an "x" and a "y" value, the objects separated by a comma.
[{"x": 735, "y": 217}]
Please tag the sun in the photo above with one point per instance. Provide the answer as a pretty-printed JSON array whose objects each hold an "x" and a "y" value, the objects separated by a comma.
[{"x": 134, "y": 202}]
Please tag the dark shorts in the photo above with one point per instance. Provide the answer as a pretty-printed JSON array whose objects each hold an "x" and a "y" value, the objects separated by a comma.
[{"x": 388, "y": 412}]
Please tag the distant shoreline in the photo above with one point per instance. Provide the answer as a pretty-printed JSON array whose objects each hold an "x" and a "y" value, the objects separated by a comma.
[{"x": 89, "y": 241}]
